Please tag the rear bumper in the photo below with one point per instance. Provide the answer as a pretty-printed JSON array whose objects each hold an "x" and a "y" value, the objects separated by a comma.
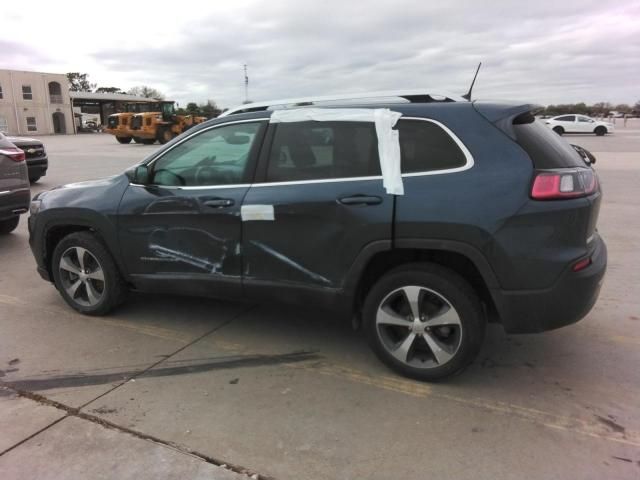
[
  {"x": 569, "y": 300},
  {"x": 14, "y": 202}
]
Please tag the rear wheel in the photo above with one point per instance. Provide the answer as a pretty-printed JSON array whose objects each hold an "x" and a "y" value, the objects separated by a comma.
[
  {"x": 148, "y": 141},
  {"x": 86, "y": 275},
  {"x": 600, "y": 131},
  {"x": 165, "y": 135},
  {"x": 137, "y": 139},
  {"x": 123, "y": 139},
  {"x": 558, "y": 130},
  {"x": 424, "y": 321},
  {"x": 9, "y": 225}
]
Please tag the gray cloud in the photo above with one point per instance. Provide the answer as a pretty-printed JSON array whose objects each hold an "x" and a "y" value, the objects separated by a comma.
[{"x": 544, "y": 51}]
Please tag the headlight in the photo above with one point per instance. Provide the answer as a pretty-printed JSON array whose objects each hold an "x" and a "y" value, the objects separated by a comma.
[{"x": 34, "y": 207}]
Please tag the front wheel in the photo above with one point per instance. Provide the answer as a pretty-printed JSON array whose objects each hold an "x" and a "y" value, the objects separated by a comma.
[
  {"x": 600, "y": 131},
  {"x": 34, "y": 178},
  {"x": 86, "y": 275},
  {"x": 9, "y": 225},
  {"x": 123, "y": 140},
  {"x": 165, "y": 135},
  {"x": 424, "y": 321},
  {"x": 558, "y": 130}
]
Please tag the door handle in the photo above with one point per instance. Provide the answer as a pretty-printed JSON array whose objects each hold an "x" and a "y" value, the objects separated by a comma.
[
  {"x": 360, "y": 200},
  {"x": 219, "y": 202}
]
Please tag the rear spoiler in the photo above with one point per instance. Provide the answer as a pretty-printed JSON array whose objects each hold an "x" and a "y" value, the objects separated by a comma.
[{"x": 502, "y": 115}]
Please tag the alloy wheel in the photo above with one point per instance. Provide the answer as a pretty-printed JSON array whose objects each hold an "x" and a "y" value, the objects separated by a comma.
[
  {"x": 82, "y": 276},
  {"x": 419, "y": 327}
]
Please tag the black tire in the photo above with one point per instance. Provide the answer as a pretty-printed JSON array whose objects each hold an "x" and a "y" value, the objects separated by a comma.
[
  {"x": 114, "y": 290},
  {"x": 137, "y": 139},
  {"x": 558, "y": 130},
  {"x": 600, "y": 131},
  {"x": 165, "y": 135},
  {"x": 148, "y": 141},
  {"x": 123, "y": 140},
  {"x": 34, "y": 178},
  {"x": 439, "y": 283},
  {"x": 9, "y": 225}
]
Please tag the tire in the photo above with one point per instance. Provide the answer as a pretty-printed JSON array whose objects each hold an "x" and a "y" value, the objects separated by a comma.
[
  {"x": 600, "y": 131},
  {"x": 165, "y": 135},
  {"x": 558, "y": 130},
  {"x": 137, "y": 139},
  {"x": 123, "y": 140},
  {"x": 34, "y": 179},
  {"x": 148, "y": 141},
  {"x": 9, "y": 225},
  {"x": 80, "y": 287},
  {"x": 425, "y": 349}
]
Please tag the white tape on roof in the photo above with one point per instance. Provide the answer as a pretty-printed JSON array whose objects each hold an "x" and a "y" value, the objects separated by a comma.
[{"x": 388, "y": 139}]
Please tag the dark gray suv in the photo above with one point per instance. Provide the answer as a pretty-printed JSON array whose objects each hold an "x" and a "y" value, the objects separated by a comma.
[
  {"x": 14, "y": 185},
  {"x": 425, "y": 227}
]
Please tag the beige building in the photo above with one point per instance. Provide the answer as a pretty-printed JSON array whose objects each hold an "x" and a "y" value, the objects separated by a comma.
[{"x": 34, "y": 103}]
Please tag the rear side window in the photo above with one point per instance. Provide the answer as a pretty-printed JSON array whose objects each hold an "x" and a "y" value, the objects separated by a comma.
[
  {"x": 566, "y": 118},
  {"x": 323, "y": 150},
  {"x": 545, "y": 147},
  {"x": 425, "y": 146}
]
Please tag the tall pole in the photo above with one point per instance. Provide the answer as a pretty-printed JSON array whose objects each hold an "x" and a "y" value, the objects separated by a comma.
[{"x": 246, "y": 85}]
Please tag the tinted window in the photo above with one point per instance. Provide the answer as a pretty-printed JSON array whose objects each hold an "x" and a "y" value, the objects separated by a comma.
[
  {"x": 31, "y": 124},
  {"x": 546, "y": 148},
  {"x": 566, "y": 118},
  {"x": 215, "y": 157},
  {"x": 26, "y": 92},
  {"x": 323, "y": 150},
  {"x": 425, "y": 146}
]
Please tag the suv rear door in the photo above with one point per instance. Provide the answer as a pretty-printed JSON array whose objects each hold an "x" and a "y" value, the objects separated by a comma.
[{"x": 317, "y": 202}]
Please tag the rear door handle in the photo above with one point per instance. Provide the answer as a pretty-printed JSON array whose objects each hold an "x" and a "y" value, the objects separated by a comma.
[
  {"x": 219, "y": 202},
  {"x": 360, "y": 200}
]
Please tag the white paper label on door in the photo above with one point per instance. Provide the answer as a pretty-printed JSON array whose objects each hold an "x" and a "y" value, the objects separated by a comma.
[{"x": 257, "y": 212}]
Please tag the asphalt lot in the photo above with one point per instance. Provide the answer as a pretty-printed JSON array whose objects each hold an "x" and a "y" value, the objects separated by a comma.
[{"x": 291, "y": 393}]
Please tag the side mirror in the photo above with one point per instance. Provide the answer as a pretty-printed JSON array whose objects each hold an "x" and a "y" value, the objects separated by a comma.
[{"x": 138, "y": 174}]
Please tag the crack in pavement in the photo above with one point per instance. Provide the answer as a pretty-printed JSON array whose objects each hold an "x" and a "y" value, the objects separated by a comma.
[{"x": 75, "y": 412}]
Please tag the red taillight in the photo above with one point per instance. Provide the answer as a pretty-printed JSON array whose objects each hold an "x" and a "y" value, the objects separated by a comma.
[
  {"x": 559, "y": 184},
  {"x": 581, "y": 264},
  {"x": 14, "y": 154}
]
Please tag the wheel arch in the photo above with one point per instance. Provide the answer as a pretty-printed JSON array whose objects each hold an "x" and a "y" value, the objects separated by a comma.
[{"x": 378, "y": 258}]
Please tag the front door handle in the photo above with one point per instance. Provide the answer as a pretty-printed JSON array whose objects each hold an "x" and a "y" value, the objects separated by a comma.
[
  {"x": 219, "y": 202},
  {"x": 360, "y": 200}
]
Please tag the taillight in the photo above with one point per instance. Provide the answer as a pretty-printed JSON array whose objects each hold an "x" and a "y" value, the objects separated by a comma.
[
  {"x": 559, "y": 184},
  {"x": 581, "y": 264},
  {"x": 14, "y": 154}
]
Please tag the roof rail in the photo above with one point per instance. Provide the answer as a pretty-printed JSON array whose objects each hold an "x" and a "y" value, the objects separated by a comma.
[{"x": 408, "y": 96}]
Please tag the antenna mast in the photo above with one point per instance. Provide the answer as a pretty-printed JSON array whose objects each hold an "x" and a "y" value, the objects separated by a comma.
[
  {"x": 246, "y": 85},
  {"x": 468, "y": 94}
]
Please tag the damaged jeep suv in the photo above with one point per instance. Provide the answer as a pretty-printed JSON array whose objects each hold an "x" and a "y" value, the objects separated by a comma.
[{"x": 423, "y": 216}]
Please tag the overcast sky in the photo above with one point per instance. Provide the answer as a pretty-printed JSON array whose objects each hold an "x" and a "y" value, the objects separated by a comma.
[{"x": 541, "y": 51}]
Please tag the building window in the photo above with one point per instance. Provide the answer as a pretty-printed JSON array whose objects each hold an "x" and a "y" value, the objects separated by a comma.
[
  {"x": 26, "y": 92},
  {"x": 31, "y": 124},
  {"x": 4, "y": 126},
  {"x": 1, "y": 97}
]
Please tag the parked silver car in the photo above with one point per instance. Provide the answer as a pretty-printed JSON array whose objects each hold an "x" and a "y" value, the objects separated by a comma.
[{"x": 14, "y": 185}]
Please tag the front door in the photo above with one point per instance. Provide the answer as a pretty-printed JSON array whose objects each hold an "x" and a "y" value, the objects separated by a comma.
[
  {"x": 182, "y": 229},
  {"x": 319, "y": 202}
]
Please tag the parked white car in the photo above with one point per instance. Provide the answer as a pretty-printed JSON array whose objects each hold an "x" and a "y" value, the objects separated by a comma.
[{"x": 578, "y": 124}]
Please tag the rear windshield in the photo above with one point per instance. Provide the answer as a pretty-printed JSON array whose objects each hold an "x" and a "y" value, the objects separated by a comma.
[{"x": 545, "y": 147}]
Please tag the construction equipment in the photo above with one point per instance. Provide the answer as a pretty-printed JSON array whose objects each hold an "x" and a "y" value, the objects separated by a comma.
[
  {"x": 119, "y": 124},
  {"x": 162, "y": 125}
]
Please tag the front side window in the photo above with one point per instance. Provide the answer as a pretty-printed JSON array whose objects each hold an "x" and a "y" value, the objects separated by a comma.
[
  {"x": 26, "y": 92},
  {"x": 323, "y": 150},
  {"x": 566, "y": 118},
  {"x": 31, "y": 124},
  {"x": 584, "y": 119},
  {"x": 425, "y": 146},
  {"x": 219, "y": 156}
]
